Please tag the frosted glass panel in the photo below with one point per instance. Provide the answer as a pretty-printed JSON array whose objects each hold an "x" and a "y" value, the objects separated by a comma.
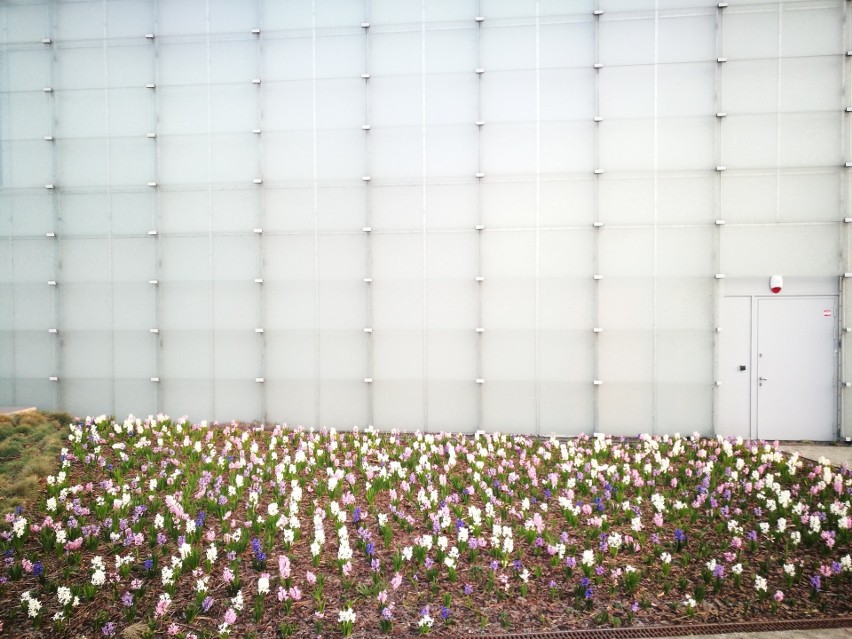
[
  {"x": 451, "y": 51},
  {"x": 84, "y": 307},
  {"x": 85, "y": 260},
  {"x": 625, "y": 303},
  {"x": 183, "y": 110},
  {"x": 396, "y": 153},
  {"x": 193, "y": 398},
  {"x": 565, "y": 410},
  {"x": 32, "y": 260},
  {"x": 182, "y": 17},
  {"x": 398, "y": 404},
  {"x": 35, "y": 355},
  {"x": 451, "y": 152},
  {"x": 26, "y": 214},
  {"x": 626, "y": 41},
  {"x": 451, "y": 206},
  {"x": 627, "y": 92},
  {"x": 288, "y": 209},
  {"x": 626, "y": 200},
  {"x": 27, "y": 116},
  {"x": 236, "y": 210},
  {"x": 685, "y": 303},
  {"x": 567, "y": 356},
  {"x": 685, "y": 200},
  {"x": 343, "y": 404},
  {"x": 497, "y": 139},
  {"x": 290, "y": 306},
  {"x": 87, "y": 354},
  {"x": 187, "y": 354},
  {"x": 338, "y": 13},
  {"x": 129, "y": 18},
  {"x": 446, "y": 11},
  {"x": 567, "y": 203},
  {"x": 235, "y": 357},
  {"x": 687, "y": 38},
  {"x": 236, "y": 307},
  {"x": 626, "y": 356},
  {"x": 626, "y": 252},
  {"x": 509, "y": 255},
  {"x": 567, "y": 94},
  {"x": 185, "y": 306},
  {"x": 686, "y": 89},
  {"x": 290, "y": 355},
  {"x": 750, "y": 141},
  {"x": 508, "y": 96},
  {"x": 685, "y": 252},
  {"x": 34, "y": 307},
  {"x": 80, "y": 68},
  {"x": 25, "y": 23},
  {"x": 452, "y": 406},
  {"x": 615, "y": 155},
  {"x": 234, "y": 108},
  {"x": 343, "y": 356},
  {"x": 685, "y": 357},
  {"x": 73, "y": 172},
  {"x": 809, "y": 196},
  {"x": 452, "y": 99},
  {"x": 397, "y": 355},
  {"x": 751, "y": 34},
  {"x": 290, "y": 257},
  {"x": 133, "y": 260},
  {"x": 184, "y": 211},
  {"x": 80, "y": 393},
  {"x": 451, "y": 304},
  {"x": 812, "y": 32},
  {"x": 452, "y": 355},
  {"x": 288, "y": 156},
  {"x": 131, "y": 161},
  {"x": 685, "y": 144},
  {"x": 397, "y": 207},
  {"x": 342, "y": 208},
  {"x": 27, "y": 70},
  {"x": 509, "y": 406},
  {"x": 32, "y": 166},
  {"x": 567, "y": 148},
  {"x": 395, "y": 53},
  {"x": 566, "y": 253},
  {"x": 342, "y": 257},
  {"x": 230, "y": 17},
  {"x": 234, "y": 61},
  {"x": 292, "y": 402},
  {"x": 341, "y": 104},
  {"x": 342, "y": 305},
  {"x": 749, "y": 198},
  {"x": 571, "y": 44},
  {"x": 183, "y": 63},
  {"x": 393, "y": 12},
  {"x": 234, "y": 159},
  {"x": 340, "y": 155},
  {"x": 750, "y": 86},
  {"x": 185, "y": 259},
  {"x": 684, "y": 408},
  {"x": 131, "y": 113},
  {"x": 341, "y": 56},
  {"x": 508, "y": 305},
  {"x": 397, "y": 305},
  {"x": 133, "y": 305},
  {"x": 508, "y": 48},
  {"x": 810, "y": 84},
  {"x": 805, "y": 250},
  {"x": 625, "y": 409},
  {"x": 184, "y": 160},
  {"x": 811, "y": 140},
  {"x": 396, "y": 101},
  {"x": 566, "y": 303},
  {"x": 134, "y": 397},
  {"x": 79, "y": 21}
]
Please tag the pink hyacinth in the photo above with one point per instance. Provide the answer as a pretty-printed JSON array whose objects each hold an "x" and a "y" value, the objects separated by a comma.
[
  {"x": 311, "y": 577},
  {"x": 230, "y": 616},
  {"x": 284, "y": 566}
]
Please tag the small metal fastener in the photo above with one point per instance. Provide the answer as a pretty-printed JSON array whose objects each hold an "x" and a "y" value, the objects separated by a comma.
[
  {"x": 258, "y": 280},
  {"x": 721, "y": 168},
  {"x": 720, "y": 276},
  {"x": 149, "y": 36},
  {"x": 480, "y": 278},
  {"x": 256, "y": 131},
  {"x": 258, "y": 231},
  {"x": 255, "y": 81},
  {"x": 368, "y": 280},
  {"x": 258, "y": 180},
  {"x": 259, "y": 380},
  {"x": 597, "y": 225},
  {"x": 48, "y": 138},
  {"x": 151, "y": 135},
  {"x": 720, "y": 222},
  {"x": 368, "y": 330},
  {"x": 154, "y": 330},
  {"x": 153, "y": 282},
  {"x": 258, "y": 330},
  {"x": 367, "y": 229}
]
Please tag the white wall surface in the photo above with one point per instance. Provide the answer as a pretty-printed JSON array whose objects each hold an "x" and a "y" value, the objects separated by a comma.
[{"x": 612, "y": 120}]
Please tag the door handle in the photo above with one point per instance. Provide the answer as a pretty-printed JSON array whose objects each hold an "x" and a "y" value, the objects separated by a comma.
[{"x": 762, "y": 379}]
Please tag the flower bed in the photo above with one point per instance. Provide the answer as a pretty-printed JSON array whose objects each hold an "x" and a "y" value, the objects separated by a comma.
[{"x": 199, "y": 531}]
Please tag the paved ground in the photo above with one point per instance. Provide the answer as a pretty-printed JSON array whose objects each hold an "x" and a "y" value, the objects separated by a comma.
[
  {"x": 835, "y": 633},
  {"x": 839, "y": 455}
]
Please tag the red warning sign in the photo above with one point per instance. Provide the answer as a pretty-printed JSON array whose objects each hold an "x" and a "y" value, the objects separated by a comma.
[{"x": 826, "y": 313}]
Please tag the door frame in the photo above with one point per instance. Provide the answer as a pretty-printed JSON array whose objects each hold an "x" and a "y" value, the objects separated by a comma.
[{"x": 754, "y": 299}]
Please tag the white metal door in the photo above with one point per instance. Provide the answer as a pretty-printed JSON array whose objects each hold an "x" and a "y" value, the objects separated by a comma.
[
  {"x": 796, "y": 368},
  {"x": 735, "y": 369}
]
